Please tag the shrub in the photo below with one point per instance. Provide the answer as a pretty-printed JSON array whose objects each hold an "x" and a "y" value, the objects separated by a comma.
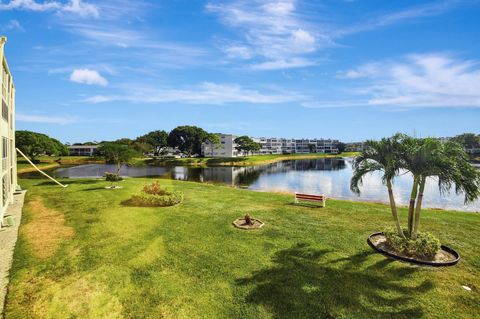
[
  {"x": 169, "y": 198},
  {"x": 425, "y": 246},
  {"x": 153, "y": 189},
  {"x": 112, "y": 177},
  {"x": 153, "y": 195}
]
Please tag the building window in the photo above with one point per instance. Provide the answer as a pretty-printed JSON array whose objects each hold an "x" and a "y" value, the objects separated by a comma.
[
  {"x": 4, "y": 153},
  {"x": 4, "y": 111}
]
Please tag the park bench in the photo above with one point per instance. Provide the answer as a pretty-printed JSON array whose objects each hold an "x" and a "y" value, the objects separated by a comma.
[{"x": 322, "y": 199}]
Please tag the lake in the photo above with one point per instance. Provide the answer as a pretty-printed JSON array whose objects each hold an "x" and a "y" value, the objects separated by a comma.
[{"x": 319, "y": 176}]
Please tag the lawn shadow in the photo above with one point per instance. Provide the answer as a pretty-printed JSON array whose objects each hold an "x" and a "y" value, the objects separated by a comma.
[
  {"x": 304, "y": 283},
  {"x": 307, "y": 205},
  {"x": 71, "y": 182}
]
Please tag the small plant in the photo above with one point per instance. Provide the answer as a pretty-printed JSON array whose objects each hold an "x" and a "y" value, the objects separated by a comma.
[
  {"x": 152, "y": 195},
  {"x": 248, "y": 219},
  {"x": 424, "y": 246},
  {"x": 112, "y": 178},
  {"x": 153, "y": 189}
]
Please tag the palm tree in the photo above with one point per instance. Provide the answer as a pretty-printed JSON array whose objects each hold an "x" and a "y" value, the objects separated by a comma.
[
  {"x": 447, "y": 162},
  {"x": 380, "y": 156}
]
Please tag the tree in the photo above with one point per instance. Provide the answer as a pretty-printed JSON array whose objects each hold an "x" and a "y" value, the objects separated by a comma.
[
  {"x": 188, "y": 139},
  {"x": 34, "y": 144},
  {"x": 423, "y": 158},
  {"x": 158, "y": 140},
  {"x": 312, "y": 148},
  {"x": 116, "y": 153},
  {"x": 468, "y": 140},
  {"x": 341, "y": 147},
  {"x": 380, "y": 156},
  {"x": 246, "y": 145},
  {"x": 447, "y": 162}
]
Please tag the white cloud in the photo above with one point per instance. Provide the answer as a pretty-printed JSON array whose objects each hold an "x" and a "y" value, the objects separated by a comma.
[
  {"x": 13, "y": 25},
  {"x": 421, "y": 80},
  {"x": 86, "y": 76},
  {"x": 283, "y": 64},
  {"x": 45, "y": 119},
  {"x": 205, "y": 93},
  {"x": 73, "y": 6},
  {"x": 81, "y": 8},
  {"x": 273, "y": 31},
  {"x": 238, "y": 51}
]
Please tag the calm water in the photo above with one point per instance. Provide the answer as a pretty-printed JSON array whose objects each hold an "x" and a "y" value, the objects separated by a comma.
[{"x": 321, "y": 176}]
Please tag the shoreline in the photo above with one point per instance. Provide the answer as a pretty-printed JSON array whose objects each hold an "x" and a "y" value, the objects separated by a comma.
[{"x": 239, "y": 161}]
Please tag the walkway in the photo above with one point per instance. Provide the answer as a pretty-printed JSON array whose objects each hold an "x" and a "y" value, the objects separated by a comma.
[{"x": 8, "y": 238}]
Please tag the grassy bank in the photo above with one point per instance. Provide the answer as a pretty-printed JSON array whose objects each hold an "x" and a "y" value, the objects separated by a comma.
[
  {"x": 81, "y": 254},
  {"x": 48, "y": 162},
  {"x": 240, "y": 161}
]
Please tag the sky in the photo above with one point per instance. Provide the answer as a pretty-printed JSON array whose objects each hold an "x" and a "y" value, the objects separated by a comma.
[{"x": 88, "y": 70}]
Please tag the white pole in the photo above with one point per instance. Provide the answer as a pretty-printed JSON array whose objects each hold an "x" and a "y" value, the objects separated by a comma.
[{"x": 35, "y": 166}]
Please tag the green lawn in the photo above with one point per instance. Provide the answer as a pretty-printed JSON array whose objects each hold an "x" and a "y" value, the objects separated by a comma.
[
  {"x": 243, "y": 161},
  {"x": 81, "y": 254}
]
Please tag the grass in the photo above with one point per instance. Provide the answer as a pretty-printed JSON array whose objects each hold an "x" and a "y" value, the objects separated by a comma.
[
  {"x": 47, "y": 162},
  {"x": 188, "y": 261},
  {"x": 242, "y": 161}
]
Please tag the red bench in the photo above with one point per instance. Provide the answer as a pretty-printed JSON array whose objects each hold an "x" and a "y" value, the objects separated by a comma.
[{"x": 322, "y": 199}]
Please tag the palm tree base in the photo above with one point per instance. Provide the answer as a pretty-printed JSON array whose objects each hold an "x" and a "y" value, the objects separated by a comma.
[{"x": 445, "y": 257}]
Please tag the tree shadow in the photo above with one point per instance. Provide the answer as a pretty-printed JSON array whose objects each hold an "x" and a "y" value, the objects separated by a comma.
[{"x": 304, "y": 283}]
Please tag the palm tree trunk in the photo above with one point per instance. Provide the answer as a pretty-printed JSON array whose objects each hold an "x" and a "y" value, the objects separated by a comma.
[
  {"x": 411, "y": 207},
  {"x": 418, "y": 207},
  {"x": 393, "y": 207}
]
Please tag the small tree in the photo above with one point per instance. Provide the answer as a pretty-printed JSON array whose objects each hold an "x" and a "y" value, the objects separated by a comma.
[
  {"x": 116, "y": 153},
  {"x": 447, "y": 162},
  {"x": 380, "y": 156}
]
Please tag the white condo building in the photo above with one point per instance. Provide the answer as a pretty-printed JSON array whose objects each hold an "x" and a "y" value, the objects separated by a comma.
[
  {"x": 8, "y": 169},
  {"x": 227, "y": 145}
]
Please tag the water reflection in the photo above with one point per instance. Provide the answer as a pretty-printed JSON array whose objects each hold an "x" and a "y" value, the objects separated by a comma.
[{"x": 320, "y": 176}]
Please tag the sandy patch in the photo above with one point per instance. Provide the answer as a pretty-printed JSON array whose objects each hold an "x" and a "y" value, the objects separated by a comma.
[{"x": 46, "y": 229}]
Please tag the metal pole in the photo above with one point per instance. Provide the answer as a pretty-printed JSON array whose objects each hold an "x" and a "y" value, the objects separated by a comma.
[{"x": 35, "y": 166}]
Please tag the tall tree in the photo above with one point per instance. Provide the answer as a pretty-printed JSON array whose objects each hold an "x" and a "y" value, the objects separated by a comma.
[
  {"x": 34, "y": 144},
  {"x": 158, "y": 140},
  {"x": 381, "y": 156},
  {"x": 246, "y": 145},
  {"x": 188, "y": 139}
]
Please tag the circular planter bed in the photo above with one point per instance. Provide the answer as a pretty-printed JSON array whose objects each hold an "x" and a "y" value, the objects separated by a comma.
[
  {"x": 445, "y": 256},
  {"x": 242, "y": 224}
]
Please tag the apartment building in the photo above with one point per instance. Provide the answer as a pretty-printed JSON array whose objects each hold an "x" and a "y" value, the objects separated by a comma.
[
  {"x": 82, "y": 150},
  {"x": 272, "y": 145},
  {"x": 8, "y": 169},
  {"x": 226, "y": 147}
]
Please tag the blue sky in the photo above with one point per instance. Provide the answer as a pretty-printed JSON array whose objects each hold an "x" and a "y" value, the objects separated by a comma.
[{"x": 96, "y": 70}]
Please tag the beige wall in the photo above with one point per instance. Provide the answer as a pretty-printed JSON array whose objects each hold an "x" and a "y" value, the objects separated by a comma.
[{"x": 8, "y": 162}]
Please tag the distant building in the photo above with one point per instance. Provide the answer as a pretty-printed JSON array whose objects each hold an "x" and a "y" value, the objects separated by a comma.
[
  {"x": 8, "y": 169},
  {"x": 227, "y": 146},
  {"x": 354, "y": 147},
  {"x": 82, "y": 150}
]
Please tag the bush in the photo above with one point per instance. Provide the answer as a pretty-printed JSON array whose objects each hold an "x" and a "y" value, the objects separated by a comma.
[
  {"x": 425, "y": 246},
  {"x": 153, "y": 189},
  {"x": 112, "y": 177},
  {"x": 153, "y": 195},
  {"x": 148, "y": 200}
]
